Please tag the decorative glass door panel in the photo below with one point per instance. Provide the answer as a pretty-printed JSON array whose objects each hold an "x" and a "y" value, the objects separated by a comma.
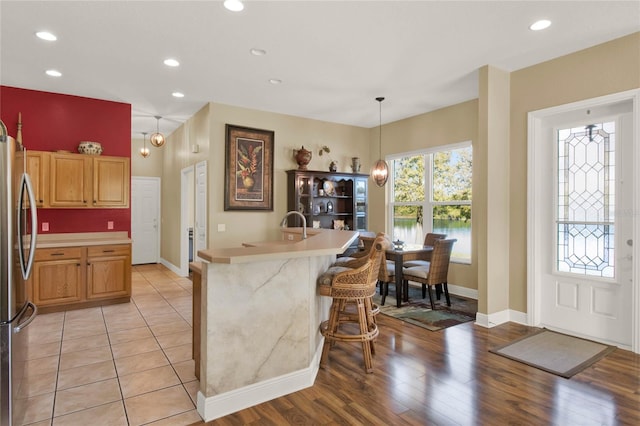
[{"x": 586, "y": 200}]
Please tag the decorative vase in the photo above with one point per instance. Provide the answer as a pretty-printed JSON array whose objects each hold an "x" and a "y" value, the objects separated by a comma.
[
  {"x": 355, "y": 164},
  {"x": 91, "y": 148},
  {"x": 333, "y": 167},
  {"x": 302, "y": 157},
  {"x": 248, "y": 183}
]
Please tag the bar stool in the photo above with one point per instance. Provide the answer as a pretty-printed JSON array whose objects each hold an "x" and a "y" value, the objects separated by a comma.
[{"x": 351, "y": 286}]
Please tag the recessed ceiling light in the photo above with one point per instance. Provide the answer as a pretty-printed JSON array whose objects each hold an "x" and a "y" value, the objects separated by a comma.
[
  {"x": 233, "y": 5},
  {"x": 540, "y": 25},
  {"x": 275, "y": 81},
  {"x": 171, "y": 62},
  {"x": 46, "y": 35},
  {"x": 53, "y": 73},
  {"x": 258, "y": 52},
  {"x": 177, "y": 95}
]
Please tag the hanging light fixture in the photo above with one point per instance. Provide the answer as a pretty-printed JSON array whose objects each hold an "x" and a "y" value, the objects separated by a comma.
[
  {"x": 144, "y": 151},
  {"x": 380, "y": 170},
  {"x": 157, "y": 139}
]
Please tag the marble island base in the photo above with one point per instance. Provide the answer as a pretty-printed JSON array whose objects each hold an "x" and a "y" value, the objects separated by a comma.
[{"x": 259, "y": 329}]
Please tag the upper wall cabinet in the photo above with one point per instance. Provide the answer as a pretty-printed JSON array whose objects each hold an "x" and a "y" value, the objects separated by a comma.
[
  {"x": 110, "y": 182},
  {"x": 81, "y": 181},
  {"x": 38, "y": 169},
  {"x": 70, "y": 180}
]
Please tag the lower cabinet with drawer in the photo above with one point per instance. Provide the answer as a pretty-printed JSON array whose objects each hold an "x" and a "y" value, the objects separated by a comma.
[{"x": 81, "y": 277}]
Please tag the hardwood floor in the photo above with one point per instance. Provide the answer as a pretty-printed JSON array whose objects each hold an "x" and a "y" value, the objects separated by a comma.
[{"x": 450, "y": 378}]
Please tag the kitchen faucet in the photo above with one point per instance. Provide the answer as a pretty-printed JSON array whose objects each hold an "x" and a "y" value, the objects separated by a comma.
[{"x": 304, "y": 222}]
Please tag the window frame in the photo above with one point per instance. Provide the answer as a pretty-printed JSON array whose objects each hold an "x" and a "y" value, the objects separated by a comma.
[{"x": 427, "y": 204}]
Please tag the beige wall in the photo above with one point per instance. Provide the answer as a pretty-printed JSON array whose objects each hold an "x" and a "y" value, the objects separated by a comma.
[
  {"x": 150, "y": 166},
  {"x": 457, "y": 123},
  {"x": 608, "y": 68},
  {"x": 290, "y": 133},
  {"x": 604, "y": 69},
  {"x": 177, "y": 156}
]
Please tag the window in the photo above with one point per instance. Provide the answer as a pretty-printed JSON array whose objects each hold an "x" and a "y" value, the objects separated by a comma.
[
  {"x": 586, "y": 200},
  {"x": 431, "y": 192}
]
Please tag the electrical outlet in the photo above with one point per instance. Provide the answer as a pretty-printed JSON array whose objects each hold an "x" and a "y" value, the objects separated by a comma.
[
  {"x": 110, "y": 224},
  {"x": 45, "y": 226}
]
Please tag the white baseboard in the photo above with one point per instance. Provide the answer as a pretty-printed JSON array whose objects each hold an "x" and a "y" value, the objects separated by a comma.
[
  {"x": 469, "y": 293},
  {"x": 171, "y": 266},
  {"x": 497, "y": 318},
  {"x": 238, "y": 399}
]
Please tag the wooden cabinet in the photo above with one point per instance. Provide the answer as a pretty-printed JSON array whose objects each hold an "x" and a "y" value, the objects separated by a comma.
[
  {"x": 38, "y": 169},
  {"x": 78, "y": 277},
  {"x": 108, "y": 271},
  {"x": 110, "y": 182},
  {"x": 328, "y": 200},
  {"x": 66, "y": 180},
  {"x": 58, "y": 276},
  {"x": 70, "y": 180}
]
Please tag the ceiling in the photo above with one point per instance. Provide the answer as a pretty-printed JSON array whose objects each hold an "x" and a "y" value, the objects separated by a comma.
[{"x": 333, "y": 57}]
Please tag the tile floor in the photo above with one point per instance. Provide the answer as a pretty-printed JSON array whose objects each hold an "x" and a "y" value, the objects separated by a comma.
[{"x": 126, "y": 364}]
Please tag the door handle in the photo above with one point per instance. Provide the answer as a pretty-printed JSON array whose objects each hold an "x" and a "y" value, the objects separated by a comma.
[{"x": 630, "y": 243}]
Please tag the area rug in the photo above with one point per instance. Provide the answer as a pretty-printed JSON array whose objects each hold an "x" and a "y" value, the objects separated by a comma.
[
  {"x": 418, "y": 311},
  {"x": 555, "y": 353}
]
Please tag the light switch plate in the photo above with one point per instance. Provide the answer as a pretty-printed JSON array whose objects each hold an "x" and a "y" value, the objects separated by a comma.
[{"x": 222, "y": 227}]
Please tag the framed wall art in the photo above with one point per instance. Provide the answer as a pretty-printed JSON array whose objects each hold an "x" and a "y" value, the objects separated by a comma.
[{"x": 248, "y": 169}]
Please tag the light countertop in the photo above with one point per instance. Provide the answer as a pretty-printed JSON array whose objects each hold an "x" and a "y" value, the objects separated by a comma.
[
  {"x": 82, "y": 239},
  {"x": 319, "y": 242}
]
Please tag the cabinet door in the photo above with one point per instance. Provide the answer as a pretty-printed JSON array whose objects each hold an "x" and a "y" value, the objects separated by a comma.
[
  {"x": 38, "y": 169},
  {"x": 57, "y": 276},
  {"x": 111, "y": 182},
  {"x": 109, "y": 271},
  {"x": 70, "y": 180}
]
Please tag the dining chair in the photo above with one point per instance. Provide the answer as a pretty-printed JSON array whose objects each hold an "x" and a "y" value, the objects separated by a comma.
[
  {"x": 387, "y": 274},
  {"x": 429, "y": 239},
  {"x": 435, "y": 272}
]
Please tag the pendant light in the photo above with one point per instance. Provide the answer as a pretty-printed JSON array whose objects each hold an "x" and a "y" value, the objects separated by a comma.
[
  {"x": 380, "y": 170},
  {"x": 157, "y": 139},
  {"x": 144, "y": 151}
]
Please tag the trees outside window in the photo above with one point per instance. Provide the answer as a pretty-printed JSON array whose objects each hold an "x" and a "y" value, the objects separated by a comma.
[{"x": 431, "y": 192}]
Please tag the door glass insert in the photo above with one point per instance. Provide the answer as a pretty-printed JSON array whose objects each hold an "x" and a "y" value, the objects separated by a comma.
[{"x": 586, "y": 200}]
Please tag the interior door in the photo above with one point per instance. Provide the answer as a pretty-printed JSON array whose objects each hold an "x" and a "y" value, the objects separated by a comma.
[
  {"x": 586, "y": 286},
  {"x": 200, "y": 231},
  {"x": 145, "y": 219}
]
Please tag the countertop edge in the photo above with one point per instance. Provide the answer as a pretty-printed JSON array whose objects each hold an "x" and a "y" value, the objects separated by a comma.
[{"x": 330, "y": 242}]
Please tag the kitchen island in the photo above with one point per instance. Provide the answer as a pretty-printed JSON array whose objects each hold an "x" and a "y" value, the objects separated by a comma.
[{"x": 260, "y": 313}]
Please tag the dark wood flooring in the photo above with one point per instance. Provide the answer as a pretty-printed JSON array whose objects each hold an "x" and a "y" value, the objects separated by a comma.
[{"x": 449, "y": 378}]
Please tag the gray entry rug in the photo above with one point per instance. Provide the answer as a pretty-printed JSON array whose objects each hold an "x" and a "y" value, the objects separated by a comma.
[
  {"x": 418, "y": 311},
  {"x": 555, "y": 353}
]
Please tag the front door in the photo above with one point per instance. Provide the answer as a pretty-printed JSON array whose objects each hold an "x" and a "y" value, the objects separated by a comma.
[{"x": 586, "y": 266}]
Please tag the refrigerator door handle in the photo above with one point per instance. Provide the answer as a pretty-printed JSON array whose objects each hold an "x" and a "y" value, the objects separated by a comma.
[
  {"x": 26, "y": 185},
  {"x": 20, "y": 324}
]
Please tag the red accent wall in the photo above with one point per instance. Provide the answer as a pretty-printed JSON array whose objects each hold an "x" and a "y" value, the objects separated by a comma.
[{"x": 51, "y": 122}]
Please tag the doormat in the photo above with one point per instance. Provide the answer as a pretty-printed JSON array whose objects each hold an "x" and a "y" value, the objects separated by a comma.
[
  {"x": 555, "y": 353},
  {"x": 418, "y": 311}
]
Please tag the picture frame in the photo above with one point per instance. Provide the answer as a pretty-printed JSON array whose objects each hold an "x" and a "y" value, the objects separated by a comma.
[{"x": 248, "y": 168}]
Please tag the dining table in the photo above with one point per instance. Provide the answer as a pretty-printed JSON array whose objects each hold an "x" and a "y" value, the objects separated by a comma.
[{"x": 401, "y": 254}]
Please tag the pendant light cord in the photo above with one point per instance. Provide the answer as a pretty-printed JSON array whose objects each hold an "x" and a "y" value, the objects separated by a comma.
[{"x": 380, "y": 99}]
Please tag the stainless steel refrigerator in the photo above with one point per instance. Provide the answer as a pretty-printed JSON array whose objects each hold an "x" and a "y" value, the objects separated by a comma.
[{"x": 18, "y": 228}]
